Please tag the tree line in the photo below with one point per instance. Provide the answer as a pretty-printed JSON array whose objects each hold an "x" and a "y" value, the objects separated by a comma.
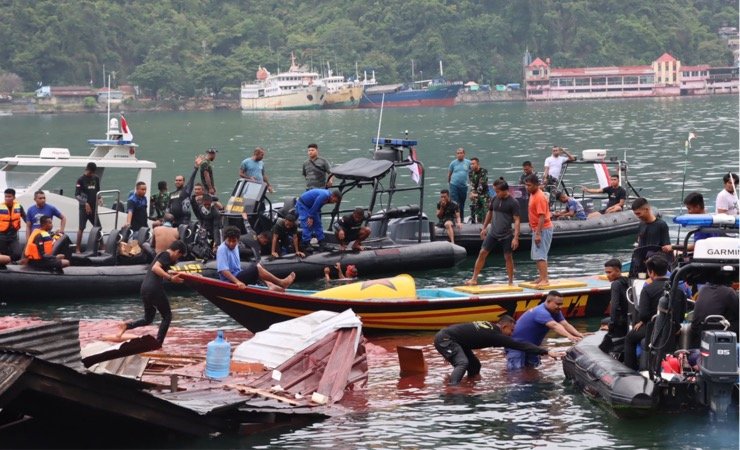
[{"x": 185, "y": 47}]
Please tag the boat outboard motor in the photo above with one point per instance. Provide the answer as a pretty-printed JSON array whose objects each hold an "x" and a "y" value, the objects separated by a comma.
[{"x": 718, "y": 370}]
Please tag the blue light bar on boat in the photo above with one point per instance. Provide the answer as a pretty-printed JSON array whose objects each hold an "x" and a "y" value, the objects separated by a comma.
[
  {"x": 707, "y": 220},
  {"x": 397, "y": 142},
  {"x": 108, "y": 142}
]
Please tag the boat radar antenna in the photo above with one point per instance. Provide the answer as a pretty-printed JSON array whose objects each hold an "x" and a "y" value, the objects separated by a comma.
[
  {"x": 380, "y": 122},
  {"x": 686, "y": 147}
]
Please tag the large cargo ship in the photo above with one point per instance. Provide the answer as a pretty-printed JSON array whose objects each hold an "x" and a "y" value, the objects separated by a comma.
[{"x": 437, "y": 92}]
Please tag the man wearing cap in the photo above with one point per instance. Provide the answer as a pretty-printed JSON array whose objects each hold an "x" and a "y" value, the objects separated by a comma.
[
  {"x": 206, "y": 171},
  {"x": 253, "y": 168},
  {"x": 86, "y": 193}
]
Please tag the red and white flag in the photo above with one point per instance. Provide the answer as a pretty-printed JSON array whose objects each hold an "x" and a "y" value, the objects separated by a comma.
[
  {"x": 125, "y": 130},
  {"x": 602, "y": 174},
  {"x": 415, "y": 168}
]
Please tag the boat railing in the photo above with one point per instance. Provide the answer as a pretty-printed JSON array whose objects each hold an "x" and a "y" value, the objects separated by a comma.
[{"x": 115, "y": 210}]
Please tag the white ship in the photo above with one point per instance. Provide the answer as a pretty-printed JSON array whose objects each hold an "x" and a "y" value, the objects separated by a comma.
[{"x": 298, "y": 88}]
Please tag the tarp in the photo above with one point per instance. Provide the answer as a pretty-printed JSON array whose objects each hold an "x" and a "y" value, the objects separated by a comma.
[{"x": 362, "y": 169}]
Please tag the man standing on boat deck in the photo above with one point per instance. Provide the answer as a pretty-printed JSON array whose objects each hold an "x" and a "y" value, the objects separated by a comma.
[
  {"x": 541, "y": 226},
  {"x": 618, "y": 321},
  {"x": 86, "y": 193},
  {"x": 229, "y": 266},
  {"x": 653, "y": 233},
  {"x": 457, "y": 177},
  {"x": 308, "y": 207},
  {"x": 41, "y": 208},
  {"x": 12, "y": 216},
  {"x": 457, "y": 342},
  {"x": 532, "y": 327},
  {"x": 527, "y": 170},
  {"x": 502, "y": 212},
  {"x": 657, "y": 268},
  {"x": 478, "y": 177},
  {"x": 448, "y": 213},
  {"x": 159, "y": 202},
  {"x": 136, "y": 208},
  {"x": 152, "y": 291},
  {"x": 726, "y": 202},
  {"x": 253, "y": 168},
  {"x": 316, "y": 170},
  {"x": 206, "y": 171},
  {"x": 554, "y": 164},
  {"x": 617, "y": 196},
  {"x": 180, "y": 202}
]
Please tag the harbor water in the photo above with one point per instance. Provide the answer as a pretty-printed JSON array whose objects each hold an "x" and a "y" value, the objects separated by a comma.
[{"x": 536, "y": 409}]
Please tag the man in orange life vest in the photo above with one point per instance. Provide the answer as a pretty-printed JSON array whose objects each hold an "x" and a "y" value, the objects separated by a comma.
[
  {"x": 12, "y": 216},
  {"x": 39, "y": 248}
]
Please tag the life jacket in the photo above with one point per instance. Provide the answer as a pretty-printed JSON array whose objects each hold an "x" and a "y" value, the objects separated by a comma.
[
  {"x": 32, "y": 249},
  {"x": 10, "y": 218}
]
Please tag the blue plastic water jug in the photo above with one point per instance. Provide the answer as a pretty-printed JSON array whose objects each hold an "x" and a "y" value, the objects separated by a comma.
[{"x": 218, "y": 357}]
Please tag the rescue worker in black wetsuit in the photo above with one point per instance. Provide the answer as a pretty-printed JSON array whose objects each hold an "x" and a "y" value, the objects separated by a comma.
[
  {"x": 180, "y": 203},
  {"x": 152, "y": 291},
  {"x": 657, "y": 268},
  {"x": 457, "y": 342},
  {"x": 618, "y": 321}
]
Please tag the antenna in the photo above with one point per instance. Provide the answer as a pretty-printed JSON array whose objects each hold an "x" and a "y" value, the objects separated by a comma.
[
  {"x": 108, "y": 118},
  {"x": 380, "y": 121}
]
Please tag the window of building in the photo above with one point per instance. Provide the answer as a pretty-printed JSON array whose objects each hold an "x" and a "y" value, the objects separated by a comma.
[
  {"x": 614, "y": 80},
  {"x": 630, "y": 80},
  {"x": 583, "y": 81},
  {"x": 535, "y": 72},
  {"x": 598, "y": 81},
  {"x": 647, "y": 79}
]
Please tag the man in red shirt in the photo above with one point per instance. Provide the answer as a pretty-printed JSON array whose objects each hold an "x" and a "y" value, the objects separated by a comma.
[{"x": 539, "y": 222}]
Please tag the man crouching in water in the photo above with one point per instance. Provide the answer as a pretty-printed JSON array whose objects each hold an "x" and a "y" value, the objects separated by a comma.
[
  {"x": 457, "y": 342},
  {"x": 38, "y": 251},
  {"x": 229, "y": 267}
]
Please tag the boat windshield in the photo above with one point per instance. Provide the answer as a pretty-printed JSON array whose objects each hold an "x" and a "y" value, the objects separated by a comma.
[{"x": 19, "y": 180}]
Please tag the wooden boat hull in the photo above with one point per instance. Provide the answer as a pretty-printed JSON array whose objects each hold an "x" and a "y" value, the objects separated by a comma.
[{"x": 257, "y": 308}]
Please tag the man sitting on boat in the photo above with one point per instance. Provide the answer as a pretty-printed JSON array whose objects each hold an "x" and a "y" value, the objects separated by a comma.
[
  {"x": 532, "y": 327},
  {"x": 38, "y": 251},
  {"x": 349, "y": 228},
  {"x": 309, "y": 206},
  {"x": 448, "y": 213},
  {"x": 573, "y": 208},
  {"x": 715, "y": 298},
  {"x": 457, "y": 342},
  {"x": 229, "y": 266},
  {"x": 617, "y": 196}
]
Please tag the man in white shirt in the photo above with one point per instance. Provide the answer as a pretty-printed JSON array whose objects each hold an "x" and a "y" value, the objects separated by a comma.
[
  {"x": 554, "y": 164},
  {"x": 727, "y": 198}
]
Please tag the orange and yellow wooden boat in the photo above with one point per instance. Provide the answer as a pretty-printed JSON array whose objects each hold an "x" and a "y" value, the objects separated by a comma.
[{"x": 396, "y": 304}]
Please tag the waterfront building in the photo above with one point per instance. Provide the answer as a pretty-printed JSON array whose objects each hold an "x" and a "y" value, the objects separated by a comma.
[{"x": 665, "y": 77}]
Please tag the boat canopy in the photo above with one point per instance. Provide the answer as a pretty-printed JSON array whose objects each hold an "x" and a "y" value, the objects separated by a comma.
[{"x": 362, "y": 169}]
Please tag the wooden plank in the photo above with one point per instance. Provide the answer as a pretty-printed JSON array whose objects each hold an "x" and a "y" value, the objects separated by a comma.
[
  {"x": 411, "y": 360},
  {"x": 262, "y": 393}
]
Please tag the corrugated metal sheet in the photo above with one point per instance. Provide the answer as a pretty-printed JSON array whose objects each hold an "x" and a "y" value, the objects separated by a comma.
[{"x": 56, "y": 342}]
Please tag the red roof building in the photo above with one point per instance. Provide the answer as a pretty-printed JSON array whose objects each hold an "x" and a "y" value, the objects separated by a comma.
[{"x": 664, "y": 77}]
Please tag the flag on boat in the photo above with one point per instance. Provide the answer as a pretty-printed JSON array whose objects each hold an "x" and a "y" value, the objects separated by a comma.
[
  {"x": 415, "y": 168},
  {"x": 602, "y": 174},
  {"x": 125, "y": 130}
]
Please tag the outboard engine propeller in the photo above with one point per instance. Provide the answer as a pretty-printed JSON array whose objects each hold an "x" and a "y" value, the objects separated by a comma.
[{"x": 718, "y": 370}]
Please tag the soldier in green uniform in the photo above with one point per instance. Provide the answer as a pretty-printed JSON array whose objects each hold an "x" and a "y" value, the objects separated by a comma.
[{"x": 479, "y": 197}]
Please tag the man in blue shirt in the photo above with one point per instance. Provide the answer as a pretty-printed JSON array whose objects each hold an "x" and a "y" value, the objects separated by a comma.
[
  {"x": 457, "y": 176},
  {"x": 308, "y": 208},
  {"x": 229, "y": 266},
  {"x": 532, "y": 327},
  {"x": 136, "y": 208},
  {"x": 573, "y": 208},
  {"x": 41, "y": 208},
  {"x": 253, "y": 169}
]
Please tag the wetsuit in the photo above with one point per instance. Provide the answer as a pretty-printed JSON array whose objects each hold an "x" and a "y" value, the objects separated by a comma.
[
  {"x": 456, "y": 343},
  {"x": 180, "y": 205},
  {"x": 154, "y": 298},
  {"x": 647, "y": 308}
]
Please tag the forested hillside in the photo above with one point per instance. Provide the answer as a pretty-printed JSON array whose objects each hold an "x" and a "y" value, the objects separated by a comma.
[{"x": 185, "y": 46}]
